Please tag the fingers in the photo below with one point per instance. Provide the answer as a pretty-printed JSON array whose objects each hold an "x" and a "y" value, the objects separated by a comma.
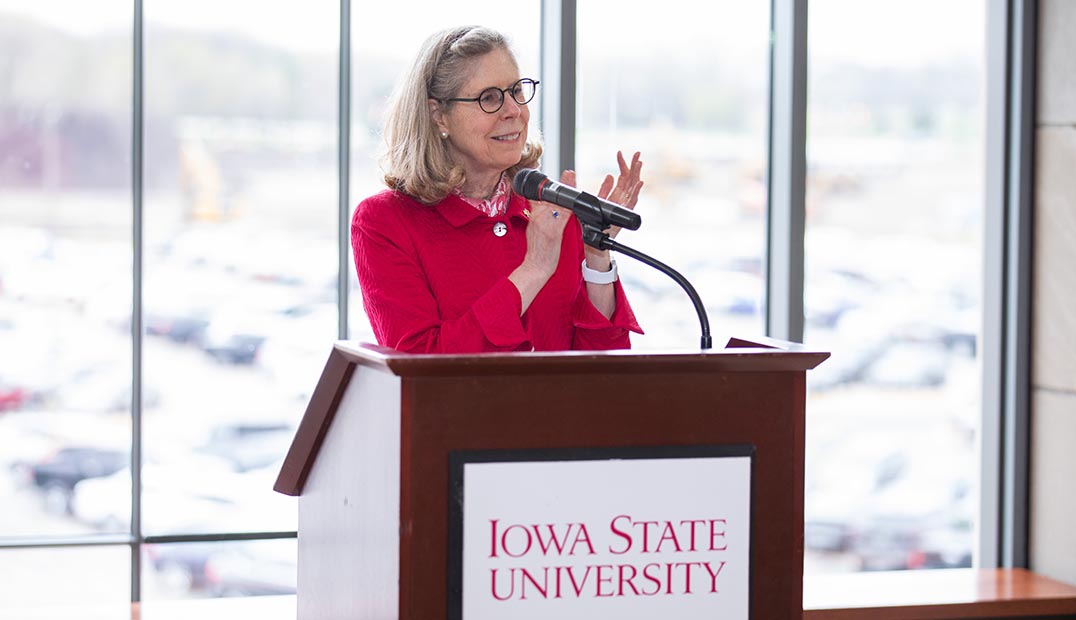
[
  {"x": 628, "y": 183},
  {"x": 635, "y": 194},
  {"x": 606, "y": 188},
  {"x": 624, "y": 189},
  {"x": 629, "y": 171},
  {"x": 628, "y": 196}
]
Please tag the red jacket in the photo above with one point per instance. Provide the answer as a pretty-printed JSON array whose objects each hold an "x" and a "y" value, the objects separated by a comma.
[{"x": 434, "y": 279}]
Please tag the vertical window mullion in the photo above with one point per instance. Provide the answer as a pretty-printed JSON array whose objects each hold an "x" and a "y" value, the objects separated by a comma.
[
  {"x": 1004, "y": 457},
  {"x": 1018, "y": 281},
  {"x": 558, "y": 53},
  {"x": 787, "y": 170},
  {"x": 344, "y": 167},
  {"x": 137, "y": 156}
]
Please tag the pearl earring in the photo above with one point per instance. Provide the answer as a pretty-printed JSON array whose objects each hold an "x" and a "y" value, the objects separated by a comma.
[{"x": 444, "y": 135}]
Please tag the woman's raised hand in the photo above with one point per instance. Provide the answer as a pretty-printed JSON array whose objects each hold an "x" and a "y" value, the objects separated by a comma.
[{"x": 628, "y": 184}]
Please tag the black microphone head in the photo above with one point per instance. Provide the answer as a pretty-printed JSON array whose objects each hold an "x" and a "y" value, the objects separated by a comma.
[{"x": 528, "y": 183}]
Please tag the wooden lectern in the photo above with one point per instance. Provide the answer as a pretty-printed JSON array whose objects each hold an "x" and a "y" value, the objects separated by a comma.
[{"x": 370, "y": 459}]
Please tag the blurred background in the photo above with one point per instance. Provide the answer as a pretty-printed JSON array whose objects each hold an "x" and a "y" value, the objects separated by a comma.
[{"x": 241, "y": 245}]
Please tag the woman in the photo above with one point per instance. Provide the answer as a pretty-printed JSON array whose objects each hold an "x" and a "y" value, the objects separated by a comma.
[{"x": 449, "y": 259}]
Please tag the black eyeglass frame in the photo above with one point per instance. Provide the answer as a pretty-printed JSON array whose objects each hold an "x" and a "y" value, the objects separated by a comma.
[{"x": 503, "y": 92}]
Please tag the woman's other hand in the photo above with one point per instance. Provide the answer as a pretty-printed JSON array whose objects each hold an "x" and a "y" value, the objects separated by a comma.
[{"x": 544, "y": 233}]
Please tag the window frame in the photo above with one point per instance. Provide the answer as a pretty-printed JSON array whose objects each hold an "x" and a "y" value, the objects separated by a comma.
[
  {"x": 1004, "y": 443},
  {"x": 1006, "y": 337}
]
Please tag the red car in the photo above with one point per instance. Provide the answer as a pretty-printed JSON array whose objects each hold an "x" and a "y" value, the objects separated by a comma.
[{"x": 12, "y": 397}]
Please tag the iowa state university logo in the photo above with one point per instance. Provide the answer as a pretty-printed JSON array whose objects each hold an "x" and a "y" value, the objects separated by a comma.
[
  {"x": 704, "y": 539},
  {"x": 617, "y": 538}
]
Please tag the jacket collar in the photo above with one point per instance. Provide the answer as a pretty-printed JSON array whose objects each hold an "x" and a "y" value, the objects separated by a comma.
[{"x": 458, "y": 213}]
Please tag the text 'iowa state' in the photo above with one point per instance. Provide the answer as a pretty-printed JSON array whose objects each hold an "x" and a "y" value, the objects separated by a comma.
[{"x": 656, "y": 544}]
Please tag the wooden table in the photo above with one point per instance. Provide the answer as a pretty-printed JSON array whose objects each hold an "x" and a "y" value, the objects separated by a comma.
[
  {"x": 963, "y": 594},
  {"x": 967, "y": 594}
]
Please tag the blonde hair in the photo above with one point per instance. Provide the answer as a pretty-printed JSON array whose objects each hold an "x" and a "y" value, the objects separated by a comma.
[{"x": 417, "y": 161}]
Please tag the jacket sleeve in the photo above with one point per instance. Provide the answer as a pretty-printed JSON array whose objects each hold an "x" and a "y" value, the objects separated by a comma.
[
  {"x": 400, "y": 304},
  {"x": 593, "y": 332}
]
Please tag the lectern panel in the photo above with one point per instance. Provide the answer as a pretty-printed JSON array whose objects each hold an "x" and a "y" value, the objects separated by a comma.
[
  {"x": 349, "y": 511},
  {"x": 564, "y": 411}
]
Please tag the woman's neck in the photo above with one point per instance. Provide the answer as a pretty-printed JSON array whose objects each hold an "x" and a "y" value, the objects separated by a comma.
[{"x": 481, "y": 187}]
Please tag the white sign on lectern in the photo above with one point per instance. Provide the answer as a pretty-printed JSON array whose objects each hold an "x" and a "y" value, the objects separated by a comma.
[{"x": 617, "y": 533}]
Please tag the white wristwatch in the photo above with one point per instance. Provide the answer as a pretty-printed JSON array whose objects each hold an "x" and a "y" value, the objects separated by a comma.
[{"x": 600, "y": 277}]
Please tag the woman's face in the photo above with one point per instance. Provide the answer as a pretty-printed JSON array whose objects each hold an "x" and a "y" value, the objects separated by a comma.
[{"x": 485, "y": 144}]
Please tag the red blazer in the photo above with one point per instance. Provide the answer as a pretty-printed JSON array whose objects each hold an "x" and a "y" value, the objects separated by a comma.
[{"x": 434, "y": 279}]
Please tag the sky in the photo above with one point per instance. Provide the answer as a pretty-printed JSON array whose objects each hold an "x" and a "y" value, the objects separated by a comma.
[{"x": 872, "y": 32}]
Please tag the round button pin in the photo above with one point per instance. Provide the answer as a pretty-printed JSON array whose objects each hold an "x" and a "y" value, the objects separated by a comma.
[{"x": 500, "y": 229}]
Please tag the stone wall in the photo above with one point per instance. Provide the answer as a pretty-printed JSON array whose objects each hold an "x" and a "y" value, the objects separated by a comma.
[{"x": 1053, "y": 314}]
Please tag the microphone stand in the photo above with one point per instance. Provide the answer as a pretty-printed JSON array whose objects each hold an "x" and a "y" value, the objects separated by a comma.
[{"x": 596, "y": 238}]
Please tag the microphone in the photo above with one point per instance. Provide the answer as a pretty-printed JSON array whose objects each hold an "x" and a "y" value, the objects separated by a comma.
[{"x": 590, "y": 209}]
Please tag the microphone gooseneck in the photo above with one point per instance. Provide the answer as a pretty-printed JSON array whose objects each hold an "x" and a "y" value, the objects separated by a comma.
[{"x": 600, "y": 240}]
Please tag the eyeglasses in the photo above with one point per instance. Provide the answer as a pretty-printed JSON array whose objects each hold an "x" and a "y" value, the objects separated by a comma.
[{"x": 492, "y": 99}]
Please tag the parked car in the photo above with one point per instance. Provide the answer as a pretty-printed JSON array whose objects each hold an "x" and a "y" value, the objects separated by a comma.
[
  {"x": 183, "y": 496},
  {"x": 13, "y": 397},
  {"x": 57, "y": 475},
  {"x": 235, "y": 348},
  {"x": 948, "y": 546},
  {"x": 226, "y": 568},
  {"x": 908, "y": 365},
  {"x": 237, "y": 338},
  {"x": 832, "y": 536},
  {"x": 184, "y": 568},
  {"x": 249, "y": 444},
  {"x": 847, "y": 365},
  {"x": 181, "y": 567},
  {"x": 104, "y": 390},
  {"x": 178, "y": 326},
  {"x": 252, "y": 569},
  {"x": 902, "y": 543}
]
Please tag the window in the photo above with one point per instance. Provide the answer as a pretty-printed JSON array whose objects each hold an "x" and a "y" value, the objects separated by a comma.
[
  {"x": 65, "y": 291},
  {"x": 64, "y": 582},
  {"x": 241, "y": 246},
  {"x": 686, "y": 86},
  {"x": 893, "y": 283}
]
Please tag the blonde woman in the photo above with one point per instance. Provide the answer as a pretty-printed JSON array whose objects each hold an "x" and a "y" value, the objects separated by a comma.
[{"x": 449, "y": 258}]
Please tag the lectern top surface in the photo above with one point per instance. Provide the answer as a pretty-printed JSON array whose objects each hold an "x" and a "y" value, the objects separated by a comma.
[{"x": 738, "y": 356}]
